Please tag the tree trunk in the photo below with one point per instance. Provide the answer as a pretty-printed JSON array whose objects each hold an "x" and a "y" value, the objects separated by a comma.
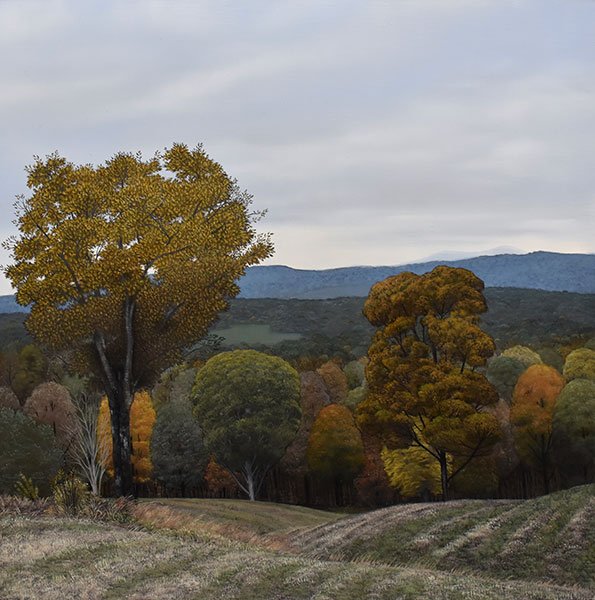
[
  {"x": 249, "y": 475},
  {"x": 121, "y": 442},
  {"x": 444, "y": 475},
  {"x": 118, "y": 382}
]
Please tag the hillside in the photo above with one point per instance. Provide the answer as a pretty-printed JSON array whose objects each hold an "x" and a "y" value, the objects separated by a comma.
[
  {"x": 317, "y": 326},
  {"x": 179, "y": 557},
  {"x": 515, "y": 316},
  {"x": 548, "y": 538},
  {"x": 549, "y": 271}
]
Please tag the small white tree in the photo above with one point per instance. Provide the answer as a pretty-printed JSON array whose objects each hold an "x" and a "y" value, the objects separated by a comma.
[{"x": 89, "y": 453}]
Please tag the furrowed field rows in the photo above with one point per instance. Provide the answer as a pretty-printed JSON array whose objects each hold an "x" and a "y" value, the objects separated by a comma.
[
  {"x": 550, "y": 538},
  {"x": 139, "y": 564}
]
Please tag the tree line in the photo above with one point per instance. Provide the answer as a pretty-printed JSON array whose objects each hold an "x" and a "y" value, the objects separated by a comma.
[{"x": 125, "y": 266}]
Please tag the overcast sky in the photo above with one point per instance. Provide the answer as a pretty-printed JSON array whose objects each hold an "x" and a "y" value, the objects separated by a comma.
[{"x": 374, "y": 132}]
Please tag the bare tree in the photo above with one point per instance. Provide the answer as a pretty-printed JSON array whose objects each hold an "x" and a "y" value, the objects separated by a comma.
[{"x": 89, "y": 453}]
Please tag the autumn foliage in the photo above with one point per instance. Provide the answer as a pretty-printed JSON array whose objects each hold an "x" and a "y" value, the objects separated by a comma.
[
  {"x": 142, "y": 420},
  {"x": 335, "y": 448},
  {"x": 531, "y": 415},
  {"x": 425, "y": 389},
  {"x": 127, "y": 264}
]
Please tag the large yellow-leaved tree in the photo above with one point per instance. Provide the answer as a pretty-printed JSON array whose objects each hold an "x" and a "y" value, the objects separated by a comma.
[
  {"x": 126, "y": 265},
  {"x": 426, "y": 387}
]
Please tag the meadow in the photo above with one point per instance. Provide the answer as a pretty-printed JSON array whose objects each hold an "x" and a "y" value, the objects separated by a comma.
[{"x": 181, "y": 548}]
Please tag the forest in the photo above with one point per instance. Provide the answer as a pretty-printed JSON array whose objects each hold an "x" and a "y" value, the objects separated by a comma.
[
  {"x": 432, "y": 388},
  {"x": 327, "y": 458}
]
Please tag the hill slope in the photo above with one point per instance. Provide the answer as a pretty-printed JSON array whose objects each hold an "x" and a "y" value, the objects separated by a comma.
[
  {"x": 538, "y": 270},
  {"x": 515, "y": 316},
  {"x": 548, "y": 538},
  {"x": 56, "y": 558}
]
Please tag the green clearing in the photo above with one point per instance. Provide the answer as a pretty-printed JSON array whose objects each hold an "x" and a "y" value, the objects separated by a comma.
[{"x": 212, "y": 549}]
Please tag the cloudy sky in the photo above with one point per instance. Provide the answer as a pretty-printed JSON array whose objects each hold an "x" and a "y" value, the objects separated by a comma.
[{"x": 374, "y": 132}]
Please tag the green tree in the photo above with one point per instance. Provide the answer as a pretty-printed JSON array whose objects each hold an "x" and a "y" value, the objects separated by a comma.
[
  {"x": 177, "y": 449},
  {"x": 524, "y": 355},
  {"x": 26, "y": 447},
  {"x": 355, "y": 371},
  {"x": 425, "y": 389},
  {"x": 248, "y": 406},
  {"x": 574, "y": 426},
  {"x": 127, "y": 264},
  {"x": 503, "y": 372},
  {"x": 31, "y": 371}
]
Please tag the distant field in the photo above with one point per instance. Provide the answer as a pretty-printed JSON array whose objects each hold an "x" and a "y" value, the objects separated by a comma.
[
  {"x": 254, "y": 334},
  {"x": 199, "y": 549}
]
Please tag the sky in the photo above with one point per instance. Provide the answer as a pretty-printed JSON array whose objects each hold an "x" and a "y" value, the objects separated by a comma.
[{"x": 374, "y": 132}]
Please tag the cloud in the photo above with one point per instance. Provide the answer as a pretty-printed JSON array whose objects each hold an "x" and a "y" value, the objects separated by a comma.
[{"x": 374, "y": 132}]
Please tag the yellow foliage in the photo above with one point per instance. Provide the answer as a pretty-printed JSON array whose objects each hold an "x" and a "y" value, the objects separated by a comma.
[
  {"x": 142, "y": 421},
  {"x": 425, "y": 389},
  {"x": 168, "y": 236},
  {"x": 412, "y": 471}
]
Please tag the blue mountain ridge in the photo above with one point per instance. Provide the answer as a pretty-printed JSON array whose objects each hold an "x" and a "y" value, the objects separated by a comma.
[{"x": 550, "y": 271}]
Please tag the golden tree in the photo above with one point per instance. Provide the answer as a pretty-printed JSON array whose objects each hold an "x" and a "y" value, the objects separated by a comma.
[
  {"x": 127, "y": 264},
  {"x": 425, "y": 389},
  {"x": 142, "y": 421}
]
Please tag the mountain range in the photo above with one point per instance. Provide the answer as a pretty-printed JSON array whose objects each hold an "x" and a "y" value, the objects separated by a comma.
[{"x": 550, "y": 271}]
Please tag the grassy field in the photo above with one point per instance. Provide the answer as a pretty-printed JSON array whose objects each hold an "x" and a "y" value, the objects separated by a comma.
[{"x": 234, "y": 549}]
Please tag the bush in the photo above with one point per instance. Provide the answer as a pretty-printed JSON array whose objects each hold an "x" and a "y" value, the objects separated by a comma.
[
  {"x": 13, "y": 505},
  {"x": 25, "y": 488},
  {"x": 71, "y": 494},
  {"x": 27, "y": 448}
]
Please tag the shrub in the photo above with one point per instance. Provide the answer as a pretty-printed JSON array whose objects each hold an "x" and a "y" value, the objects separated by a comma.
[
  {"x": 71, "y": 494},
  {"x": 25, "y": 488},
  {"x": 26, "y": 447}
]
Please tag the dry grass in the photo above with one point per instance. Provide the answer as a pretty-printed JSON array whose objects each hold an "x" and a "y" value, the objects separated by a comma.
[{"x": 207, "y": 549}]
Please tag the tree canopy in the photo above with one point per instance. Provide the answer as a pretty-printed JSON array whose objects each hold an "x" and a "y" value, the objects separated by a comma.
[
  {"x": 127, "y": 264},
  {"x": 531, "y": 415},
  {"x": 580, "y": 364},
  {"x": 177, "y": 451},
  {"x": 248, "y": 405},
  {"x": 425, "y": 389},
  {"x": 574, "y": 425},
  {"x": 335, "y": 448}
]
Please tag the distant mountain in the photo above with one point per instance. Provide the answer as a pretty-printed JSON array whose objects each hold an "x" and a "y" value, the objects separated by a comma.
[
  {"x": 8, "y": 304},
  {"x": 548, "y": 271},
  {"x": 458, "y": 255}
]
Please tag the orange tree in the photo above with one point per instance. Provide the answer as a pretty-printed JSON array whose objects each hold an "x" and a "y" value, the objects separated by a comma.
[
  {"x": 425, "y": 388},
  {"x": 142, "y": 421},
  {"x": 126, "y": 265},
  {"x": 531, "y": 415}
]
